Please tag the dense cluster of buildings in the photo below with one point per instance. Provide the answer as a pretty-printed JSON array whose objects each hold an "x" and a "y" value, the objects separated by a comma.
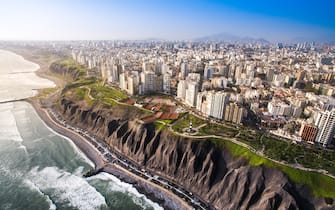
[{"x": 289, "y": 88}]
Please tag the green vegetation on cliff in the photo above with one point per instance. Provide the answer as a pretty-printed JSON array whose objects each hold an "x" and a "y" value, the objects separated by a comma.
[
  {"x": 98, "y": 90},
  {"x": 282, "y": 151},
  {"x": 89, "y": 90},
  {"x": 68, "y": 69},
  {"x": 205, "y": 126},
  {"x": 320, "y": 184},
  {"x": 307, "y": 156}
]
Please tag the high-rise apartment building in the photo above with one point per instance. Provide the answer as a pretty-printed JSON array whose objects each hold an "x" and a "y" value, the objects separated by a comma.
[
  {"x": 308, "y": 132},
  {"x": 148, "y": 81},
  {"x": 183, "y": 70},
  {"x": 181, "y": 89},
  {"x": 212, "y": 103},
  {"x": 191, "y": 93},
  {"x": 113, "y": 74},
  {"x": 167, "y": 83},
  {"x": 234, "y": 113},
  {"x": 325, "y": 122}
]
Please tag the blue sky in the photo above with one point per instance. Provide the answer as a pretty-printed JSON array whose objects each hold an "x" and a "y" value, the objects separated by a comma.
[{"x": 167, "y": 19}]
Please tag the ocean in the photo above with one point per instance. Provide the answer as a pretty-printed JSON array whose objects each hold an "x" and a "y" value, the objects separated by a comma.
[{"x": 40, "y": 169}]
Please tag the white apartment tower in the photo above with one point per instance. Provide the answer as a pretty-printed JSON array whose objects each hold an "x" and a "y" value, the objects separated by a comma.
[
  {"x": 212, "y": 103},
  {"x": 325, "y": 122},
  {"x": 113, "y": 74},
  {"x": 123, "y": 81},
  {"x": 148, "y": 81},
  {"x": 191, "y": 93},
  {"x": 167, "y": 83},
  {"x": 181, "y": 89},
  {"x": 183, "y": 70},
  {"x": 220, "y": 101}
]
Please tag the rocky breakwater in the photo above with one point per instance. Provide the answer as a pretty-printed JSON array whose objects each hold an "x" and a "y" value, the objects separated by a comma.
[{"x": 199, "y": 166}]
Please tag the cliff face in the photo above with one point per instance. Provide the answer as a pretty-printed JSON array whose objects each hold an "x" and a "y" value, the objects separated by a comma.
[{"x": 199, "y": 166}]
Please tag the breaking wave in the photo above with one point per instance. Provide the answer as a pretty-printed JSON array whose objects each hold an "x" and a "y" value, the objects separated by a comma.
[
  {"x": 66, "y": 188},
  {"x": 117, "y": 185}
]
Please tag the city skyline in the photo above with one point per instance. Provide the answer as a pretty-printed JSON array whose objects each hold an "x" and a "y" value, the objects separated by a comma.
[{"x": 168, "y": 20}]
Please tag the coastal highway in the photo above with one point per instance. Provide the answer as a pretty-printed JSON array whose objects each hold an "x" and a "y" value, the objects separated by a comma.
[{"x": 113, "y": 157}]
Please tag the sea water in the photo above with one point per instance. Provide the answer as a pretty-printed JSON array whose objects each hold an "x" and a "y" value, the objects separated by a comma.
[{"x": 40, "y": 169}]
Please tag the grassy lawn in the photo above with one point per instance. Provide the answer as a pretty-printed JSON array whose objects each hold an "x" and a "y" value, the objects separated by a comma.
[
  {"x": 275, "y": 149},
  {"x": 81, "y": 82},
  {"x": 251, "y": 138},
  {"x": 185, "y": 123},
  {"x": 168, "y": 121},
  {"x": 209, "y": 129},
  {"x": 220, "y": 130},
  {"x": 80, "y": 94},
  {"x": 159, "y": 126},
  {"x": 71, "y": 64},
  {"x": 99, "y": 91},
  {"x": 68, "y": 69},
  {"x": 46, "y": 92},
  {"x": 309, "y": 157},
  {"x": 321, "y": 185},
  {"x": 78, "y": 87}
]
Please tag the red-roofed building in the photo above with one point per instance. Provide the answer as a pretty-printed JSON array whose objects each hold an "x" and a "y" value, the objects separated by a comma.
[
  {"x": 149, "y": 106},
  {"x": 165, "y": 116},
  {"x": 130, "y": 102},
  {"x": 174, "y": 116},
  {"x": 158, "y": 114},
  {"x": 157, "y": 108},
  {"x": 149, "y": 119}
]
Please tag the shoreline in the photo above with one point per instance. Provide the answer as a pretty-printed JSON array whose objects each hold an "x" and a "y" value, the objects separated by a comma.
[{"x": 152, "y": 191}]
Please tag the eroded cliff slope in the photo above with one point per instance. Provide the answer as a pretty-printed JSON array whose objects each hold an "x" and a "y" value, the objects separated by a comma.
[{"x": 197, "y": 165}]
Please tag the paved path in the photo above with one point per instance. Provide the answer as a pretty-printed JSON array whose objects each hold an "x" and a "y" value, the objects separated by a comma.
[{"x": 260, "y": 153}]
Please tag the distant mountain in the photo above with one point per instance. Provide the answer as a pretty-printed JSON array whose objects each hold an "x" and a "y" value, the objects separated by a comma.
[{"x": 230, "y": 38}]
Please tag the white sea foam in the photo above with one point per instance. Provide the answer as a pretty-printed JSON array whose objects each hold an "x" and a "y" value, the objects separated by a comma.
[
  {"x": 8, "y": 128},
  {"x": 38, "y": 139},
  {"x": 33, "y": 187},
  {"x": 6, "y": 169},
  {"x": 65, "y": 187},
  {"x": 117, "y": 185},
  {"x": 75, "y": 148},
  {"x": 24, "y": 148},
  {"x": 79, "y": 171}
]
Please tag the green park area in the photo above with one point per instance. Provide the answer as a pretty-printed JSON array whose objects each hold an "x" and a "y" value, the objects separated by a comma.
[
  {"x": 91, "y": 91},
  {"x": 307, "y": 156},
  {"x": 287, "y": 152},
  {"x": 100, "y": 91},
  {"x": 205, "y": 126},
  {"x": 320, "y": 184}
]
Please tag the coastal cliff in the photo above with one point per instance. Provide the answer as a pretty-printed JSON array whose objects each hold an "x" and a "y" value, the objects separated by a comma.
[{"x": 199, "y": 166}]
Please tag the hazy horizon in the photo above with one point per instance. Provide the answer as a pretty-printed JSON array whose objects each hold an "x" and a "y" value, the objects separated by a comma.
[{"x": 167, "y": 20}]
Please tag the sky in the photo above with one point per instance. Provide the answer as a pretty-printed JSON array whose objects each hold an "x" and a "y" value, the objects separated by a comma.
[{"x": 273, "y": 20}]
